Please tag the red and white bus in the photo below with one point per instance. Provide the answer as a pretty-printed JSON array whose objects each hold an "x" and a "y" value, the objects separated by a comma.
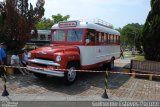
[{"x": 76, "y": 45}]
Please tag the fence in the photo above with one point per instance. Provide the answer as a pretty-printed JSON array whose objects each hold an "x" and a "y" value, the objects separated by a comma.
[{"x": 150, "y": 68}]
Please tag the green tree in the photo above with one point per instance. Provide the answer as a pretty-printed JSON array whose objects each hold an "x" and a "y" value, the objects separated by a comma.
[
  {"x": 18, "y": 18},
  {"x": 151, "y": 33},
  {"x": 131, "y": 35},
  {"x": 44, "y": 24},
  {"x": 57, "y": 18}
]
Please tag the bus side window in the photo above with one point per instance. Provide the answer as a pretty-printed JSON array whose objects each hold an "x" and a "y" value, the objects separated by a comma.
[
  {"x": 97, "y": 37},
  {"x": 115, "y": 39},
  {"x": 118, "y": 39},
  {"x": 109, "y": 38},
  {"x": 106, "y": 38},
  {"x": 48, "y": 37},
  {"x": 102, "y": 41},
  {"x": 42, "y": 37},
  {"x": 90, "y": 36},
  {"x": 100, "y": 37},
  {"x": 87, "y": 38},
  {"x": 112, "y": 39}
]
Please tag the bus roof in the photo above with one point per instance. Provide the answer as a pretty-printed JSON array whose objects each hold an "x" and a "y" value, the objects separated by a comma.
[{"x": 89, "y": 25}]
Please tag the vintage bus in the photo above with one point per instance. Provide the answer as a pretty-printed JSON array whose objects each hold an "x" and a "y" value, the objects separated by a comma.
[
  {"x": 76, "y": 45},
  {"x": 42, "y": 38}
]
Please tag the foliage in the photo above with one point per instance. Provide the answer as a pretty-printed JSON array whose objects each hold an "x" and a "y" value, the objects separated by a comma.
[
  {"x": 46, "y": 24},
  {"x": 57, "y": 18},
  {"x": 131, "y": 35},
  {"x": 17, "y": 19},
  {"x": 151, "y": 33}
]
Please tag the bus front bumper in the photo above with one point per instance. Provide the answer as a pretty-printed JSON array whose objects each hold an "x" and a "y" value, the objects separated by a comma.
[{"x": 47, "y": 72}]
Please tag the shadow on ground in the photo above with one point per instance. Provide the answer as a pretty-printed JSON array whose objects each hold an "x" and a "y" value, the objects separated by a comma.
[{"x": 83, "y": 83}]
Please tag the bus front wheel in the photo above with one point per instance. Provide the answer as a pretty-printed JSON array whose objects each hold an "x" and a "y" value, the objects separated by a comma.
[{"x": 70, "y": 75}]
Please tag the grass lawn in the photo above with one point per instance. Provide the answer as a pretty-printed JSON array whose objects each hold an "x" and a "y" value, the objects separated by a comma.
[
  {"x": 136, "y": 57},
  {"x": 139, "y": 57},
  {"x": 128, "y": 54}
]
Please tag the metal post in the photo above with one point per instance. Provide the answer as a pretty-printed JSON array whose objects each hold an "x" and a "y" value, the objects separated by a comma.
[
  {"x": 150, "y": 77},
  {"x": 135, "y": 44},
  {"x": 5, "y": 92},
  {"x": 106, "y": 86},
  {"x": 131, "y": 64}
]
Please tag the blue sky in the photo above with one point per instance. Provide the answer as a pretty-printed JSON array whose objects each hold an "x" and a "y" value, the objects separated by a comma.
[{"x": 117, "y": 12}]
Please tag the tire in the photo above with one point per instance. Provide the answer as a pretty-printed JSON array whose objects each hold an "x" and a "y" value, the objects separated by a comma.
[
  {"x": 111, "y": 65},
  {"x": 40, "y": 76},
  {"x": 70, "y": 76}
]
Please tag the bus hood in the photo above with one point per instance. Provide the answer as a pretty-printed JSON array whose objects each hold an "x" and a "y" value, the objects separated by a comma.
[{"x": 49, "y": 52}]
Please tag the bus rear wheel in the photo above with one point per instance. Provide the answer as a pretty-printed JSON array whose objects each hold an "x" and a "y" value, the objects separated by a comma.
[{"x": 70, "y": 75}]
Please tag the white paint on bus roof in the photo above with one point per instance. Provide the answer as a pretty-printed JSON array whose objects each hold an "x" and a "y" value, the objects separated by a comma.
[
  {"x": 90, "y": 25},
  {"x": 42, "y": 32}
]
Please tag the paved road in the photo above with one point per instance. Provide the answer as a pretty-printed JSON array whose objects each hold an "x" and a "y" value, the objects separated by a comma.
[{"x": 88, "y": 87}]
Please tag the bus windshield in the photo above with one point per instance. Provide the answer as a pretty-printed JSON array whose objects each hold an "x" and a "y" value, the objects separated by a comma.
[
  {"x": 74, "y": 35},
  {"x": 58, "y": 35},
  {"x": 71, "y": 35}
]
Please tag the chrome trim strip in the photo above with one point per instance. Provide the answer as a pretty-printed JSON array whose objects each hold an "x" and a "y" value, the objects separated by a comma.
[
  {"x": 118, "y": 53},
  {"x": 45, "y": 62},
  {"x": 48, "y": 72}
]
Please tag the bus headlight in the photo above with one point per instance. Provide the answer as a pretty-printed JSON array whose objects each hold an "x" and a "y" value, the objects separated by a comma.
[
  {"x": 29, "y": 54},
  {"x": 58, "y": 58}
]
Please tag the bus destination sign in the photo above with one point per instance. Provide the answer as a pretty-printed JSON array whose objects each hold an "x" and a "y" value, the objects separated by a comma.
[{"x": 67, "y": 24}]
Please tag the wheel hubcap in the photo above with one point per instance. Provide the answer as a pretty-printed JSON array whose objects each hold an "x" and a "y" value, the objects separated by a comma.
[{"x": 71, "y": 74}]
